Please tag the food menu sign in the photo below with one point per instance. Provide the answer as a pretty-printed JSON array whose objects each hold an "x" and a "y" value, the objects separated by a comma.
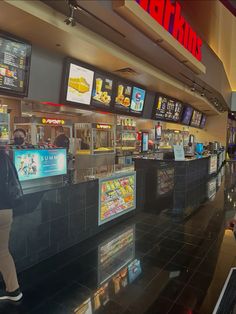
[
  {"x": 137, "y": 100},
  {"x": 14, "y": 66},
  {"x": 168, "y": 109},
  {"x": 188, "y": 111},
  {"x": 123, "y": 96},
  {"x": 196, "y": 118},
  {"x": 79, "y": 84},
  {"x": 102, "y": 90},
  {"x": 117, "y": 196}
]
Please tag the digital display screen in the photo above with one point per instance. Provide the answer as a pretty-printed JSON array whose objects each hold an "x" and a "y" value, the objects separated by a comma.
[
  {"x": 196, "y": 118},
  {"x": 102, "y": 90},
  {"x": 203, "y": 122},
  {"x": 123, "y": 96},
  {"x": 144, "y": 142},
  {"x": 168, "y": 109},
  {"x": 42, "y": 163},
  {"x": 79, "y": 85},
  {"x": 137, "y": 100},
  {"x": 14, "y": 65},
  {"x": 187, "y": 115}
]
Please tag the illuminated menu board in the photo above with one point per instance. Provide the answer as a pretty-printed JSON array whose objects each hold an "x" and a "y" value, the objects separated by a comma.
[
  {"x": 102, "y": 90},
  {"x": 137, "y": 100},
  {"x": 14, "y": 65},
  {"x": 196, "y": 118},
  {"x": 117, "y": 196},
  {"x": 168, "y": 109},
  {"x": 123, "y": 96},
  {"x": 79, "y": 84},
  {"x": 187, "y": 115},
  {"x": 203, "y": 122}
]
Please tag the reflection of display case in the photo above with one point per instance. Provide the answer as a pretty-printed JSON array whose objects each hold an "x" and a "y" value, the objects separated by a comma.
[
  {"x": 94, "y": 138},
  {"x": 117, "y": 196},
  {"x": 126, "y": 140},
  {"x": 213, "y": 164},
  {"x": 165, "y": 180},
  {"x": 115, "y": 253},
  {"x": 173, "y": 137}
]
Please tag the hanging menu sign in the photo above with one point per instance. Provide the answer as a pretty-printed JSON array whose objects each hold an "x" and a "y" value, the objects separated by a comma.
[
  {"x": 168, "y": 109},
  {"x": 14, "y": 65},
  {"x": 102, "y": 90},
  {"x": 123, "y": 96}
]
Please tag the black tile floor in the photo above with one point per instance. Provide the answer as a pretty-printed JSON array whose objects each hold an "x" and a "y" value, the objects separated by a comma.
[{"x": 147, "y": 264}]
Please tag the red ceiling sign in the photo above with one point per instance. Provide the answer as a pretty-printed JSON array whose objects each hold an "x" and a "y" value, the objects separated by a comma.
[{"x": 168, "y": 14}]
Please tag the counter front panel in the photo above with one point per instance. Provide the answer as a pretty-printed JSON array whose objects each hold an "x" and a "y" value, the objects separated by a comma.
[{"x": 117, "y": 196}]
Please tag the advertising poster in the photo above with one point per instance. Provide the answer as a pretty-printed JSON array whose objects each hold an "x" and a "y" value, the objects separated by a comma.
[
  {"x": 137, "y": 100},
  {"x": 80, "y": 84},
  {"x": 188, "y": 111},
  {"x": 14, "y": 64},
  {"x": 123, "y": 96},
  {"x": 117, "y": 197},
  {"x": 102, "y": 90},
  {"x": 36, "y": 164}
]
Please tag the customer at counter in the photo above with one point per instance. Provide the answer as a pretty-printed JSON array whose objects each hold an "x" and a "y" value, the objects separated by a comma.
[
  {"x": 10, "y": 194},
  {"x": 62, "y": 140}
]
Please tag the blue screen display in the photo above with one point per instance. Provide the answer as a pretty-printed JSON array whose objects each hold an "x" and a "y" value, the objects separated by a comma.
[
  {"x": 41, "y": 163},
  {"x": 187, "y": 115}
]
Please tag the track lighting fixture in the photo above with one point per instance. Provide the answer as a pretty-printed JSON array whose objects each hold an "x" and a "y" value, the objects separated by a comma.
[
  {"x": 193, "y": 88},
  {"x": 73, "y": 6},
  {"x": 203, "y": 92}
]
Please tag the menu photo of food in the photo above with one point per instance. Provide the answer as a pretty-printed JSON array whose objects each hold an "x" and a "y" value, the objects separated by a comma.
[
  {"x": 137, "y": 100},
  {"x": 80, "y": 83},
  {"x": 123, "y": 96},
  {"x": 102, "y": 90}
]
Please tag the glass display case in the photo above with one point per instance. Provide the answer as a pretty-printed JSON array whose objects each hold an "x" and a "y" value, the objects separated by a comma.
[
  {"x": 117, "y": 196},
  {"x": 94, "y": 138},
  {"x": 125, "y": 136}
]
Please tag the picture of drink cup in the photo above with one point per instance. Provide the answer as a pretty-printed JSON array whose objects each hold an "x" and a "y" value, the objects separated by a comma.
[
  {"x": 120, "y": 90},
  {"x": 98, "y": 86}
]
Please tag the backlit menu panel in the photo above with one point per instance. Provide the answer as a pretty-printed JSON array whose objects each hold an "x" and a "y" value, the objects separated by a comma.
[
  {"x": 14, "y": 65},
  {"x": 168, "y": 109}
]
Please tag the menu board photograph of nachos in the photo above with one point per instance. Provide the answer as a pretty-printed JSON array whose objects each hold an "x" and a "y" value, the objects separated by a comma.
[
  {"x": 102, "y": 90},
  {"x": 80, "y": 82}
]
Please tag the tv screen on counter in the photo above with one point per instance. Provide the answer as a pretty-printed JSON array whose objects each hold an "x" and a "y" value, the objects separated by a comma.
[
  {"x": 196, "y": 118},
  {"x": 187, "y": 115},
  {"x": 78, "y": 83},
  {"x": 14, "y": 65},
  {"x": 168, "y": 109},
  {"x": 137, "y": 100},
  {"x": 102, "y": 90},
  {"x": 40, "y": 163},
  {"x": 203, "y": 121}
]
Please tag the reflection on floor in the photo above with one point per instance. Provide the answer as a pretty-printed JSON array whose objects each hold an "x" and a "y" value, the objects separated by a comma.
[{"x": 147, "y": 264}]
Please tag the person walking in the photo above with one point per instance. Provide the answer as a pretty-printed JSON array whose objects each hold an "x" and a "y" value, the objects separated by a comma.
[{"x": 10, "y": 195}]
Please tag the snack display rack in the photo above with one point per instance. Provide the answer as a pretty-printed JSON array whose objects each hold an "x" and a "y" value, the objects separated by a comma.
[{"x": 117, "y": 196}]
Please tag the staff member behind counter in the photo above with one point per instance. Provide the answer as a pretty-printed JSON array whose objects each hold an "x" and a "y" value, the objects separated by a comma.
[{"x": 19, "y": 137}]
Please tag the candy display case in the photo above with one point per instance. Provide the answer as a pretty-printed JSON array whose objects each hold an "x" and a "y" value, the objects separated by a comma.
[{"x": 117, "y": 196}]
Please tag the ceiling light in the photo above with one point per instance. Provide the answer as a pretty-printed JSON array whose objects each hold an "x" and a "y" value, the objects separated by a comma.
[
  {"x": 73, "y": 6},
  {"x": 193, "y": 88},
  {"x": 203, "y": 92}
]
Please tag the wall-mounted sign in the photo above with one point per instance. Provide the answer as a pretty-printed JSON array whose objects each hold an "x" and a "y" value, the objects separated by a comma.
[
  {"x": 103, "y": 126},
  {"x": 187, "y": 114},
  {"x": 168, "y": 109},
  {"x": 168, "y": 14},
  {"x": 53, "y": 121},
  {"x": 102, "y": 90},
  {"x": 123, "y": 96},
  {"x": 14, "y": 65},
  {"x": 79, "y": 84},
  {"x": 137, "y": 100},
  {"x": 196, "y": 118}
]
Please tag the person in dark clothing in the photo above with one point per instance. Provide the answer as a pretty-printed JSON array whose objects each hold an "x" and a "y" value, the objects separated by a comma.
[
  {"x": 19, "y": 137},
  {"x": 10, "y": 191}
]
